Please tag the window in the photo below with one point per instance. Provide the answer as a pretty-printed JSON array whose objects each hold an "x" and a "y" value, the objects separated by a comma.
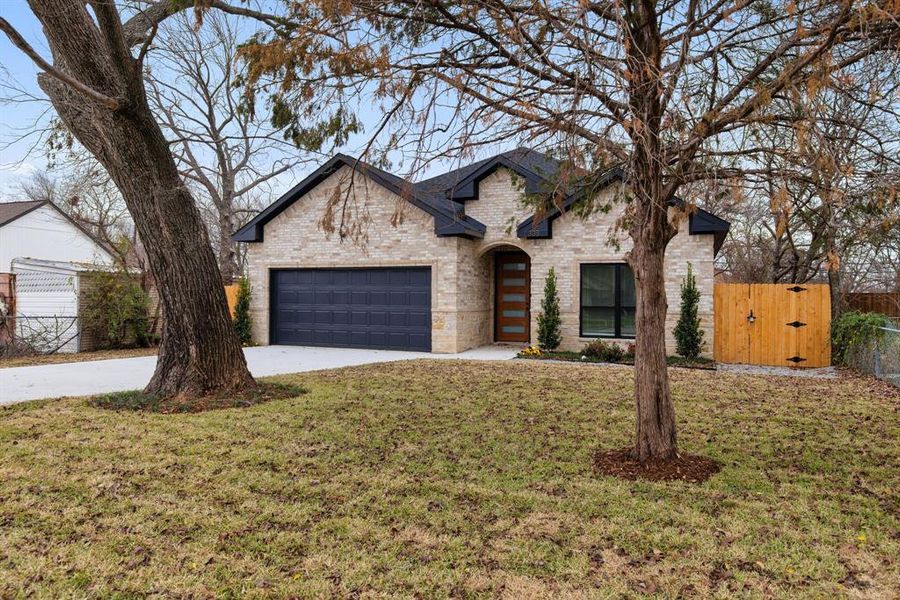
[{"x": 607, "y": 301}]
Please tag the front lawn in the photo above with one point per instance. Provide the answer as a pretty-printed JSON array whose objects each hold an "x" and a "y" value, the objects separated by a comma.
[
  {"x": 65, "y": 357},
  {"x": 454, "y": 479}
]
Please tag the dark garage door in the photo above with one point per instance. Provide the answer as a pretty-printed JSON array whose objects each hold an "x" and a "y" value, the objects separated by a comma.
[{"x": 386, "y": 308}]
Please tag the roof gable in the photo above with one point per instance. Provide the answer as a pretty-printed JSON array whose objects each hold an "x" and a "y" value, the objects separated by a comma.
[
  {"x": 444, "y": 196},
  {"x": 700, "y": 222},
  {"x": 11, "y": 211},
  {"x": 461, "y": 185},
  {"x": 449, "y": 217}
]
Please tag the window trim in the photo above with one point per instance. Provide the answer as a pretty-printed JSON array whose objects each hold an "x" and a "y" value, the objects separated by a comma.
[{"x": 617, "y": 307}]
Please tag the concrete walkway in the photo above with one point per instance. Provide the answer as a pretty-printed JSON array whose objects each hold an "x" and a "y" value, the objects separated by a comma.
[{"x": 19, "y": 384}]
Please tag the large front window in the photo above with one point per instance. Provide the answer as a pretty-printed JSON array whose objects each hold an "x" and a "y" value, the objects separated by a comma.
[{"x": 607, "y": 301}]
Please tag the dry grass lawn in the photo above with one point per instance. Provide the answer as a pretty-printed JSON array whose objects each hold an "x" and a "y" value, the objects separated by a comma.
[
  {"x": 438, "y": 479},
  {"x": 52, "y": 359}
]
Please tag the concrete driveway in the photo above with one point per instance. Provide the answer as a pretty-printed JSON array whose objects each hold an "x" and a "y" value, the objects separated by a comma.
[{"x": 19, "y": 384}]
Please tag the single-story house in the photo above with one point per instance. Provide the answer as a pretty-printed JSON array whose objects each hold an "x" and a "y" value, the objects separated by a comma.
[
  {"x": 39, "y": 229},
  {"x": 43, "y": 254},
  {"x": 453, "y": 262}
]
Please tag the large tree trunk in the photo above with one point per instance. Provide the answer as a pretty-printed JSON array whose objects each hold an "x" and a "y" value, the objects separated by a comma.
[
  {"x": 199, "y": 351},
  {"x": 651, "y": 232}
]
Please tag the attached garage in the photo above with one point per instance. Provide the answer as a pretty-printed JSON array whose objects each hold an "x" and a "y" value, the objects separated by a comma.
[{"x": 381, "y": 308}]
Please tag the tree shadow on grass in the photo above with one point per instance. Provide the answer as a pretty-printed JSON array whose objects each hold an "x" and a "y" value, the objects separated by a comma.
[{"x": 137, "y": 400}]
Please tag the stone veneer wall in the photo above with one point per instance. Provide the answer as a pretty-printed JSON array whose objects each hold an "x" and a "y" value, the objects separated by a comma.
[{"x": 462, "y": 270}]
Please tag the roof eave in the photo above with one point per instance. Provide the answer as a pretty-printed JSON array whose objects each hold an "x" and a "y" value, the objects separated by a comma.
[{"x": 253, "y": 231}]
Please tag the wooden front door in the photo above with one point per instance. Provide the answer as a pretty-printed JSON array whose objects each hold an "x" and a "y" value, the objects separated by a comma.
[{"x": 512, "y": 293}]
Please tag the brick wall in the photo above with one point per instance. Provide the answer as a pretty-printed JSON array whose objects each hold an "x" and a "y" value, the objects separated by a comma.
[
  {"x": 296, "y": 238},
  {"x": 579, "y": 240},
  {"x": 462, "y": 270}
]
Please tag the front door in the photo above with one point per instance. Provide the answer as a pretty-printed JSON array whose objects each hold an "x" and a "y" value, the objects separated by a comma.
[{"x": 512, "y": 318}]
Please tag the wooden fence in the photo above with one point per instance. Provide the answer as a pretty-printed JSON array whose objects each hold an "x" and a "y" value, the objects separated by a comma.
[
  {"x": 772, "y": 324},
  {"x": 231, "y": 294},
  {"x": 886, "y": 304}
]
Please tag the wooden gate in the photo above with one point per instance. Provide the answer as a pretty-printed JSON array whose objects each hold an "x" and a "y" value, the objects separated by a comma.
[{"x": 772, "y": 324}]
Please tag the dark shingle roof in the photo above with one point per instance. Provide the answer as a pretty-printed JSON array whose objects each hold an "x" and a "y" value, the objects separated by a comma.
[
  {"x": 10, "y": 211},
  {"x": 443, "y": 196},
  {"x": 449, "y": 218},
  {"x": 527, "y": 162}
]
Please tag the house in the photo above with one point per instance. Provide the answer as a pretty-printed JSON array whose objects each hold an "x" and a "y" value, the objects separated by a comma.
[
  {"x": 453, "y": 262},
  {"x": 51, "y": 299},
  {"x": 38, "y": 229},
  {"x": 44, "y": 258}
]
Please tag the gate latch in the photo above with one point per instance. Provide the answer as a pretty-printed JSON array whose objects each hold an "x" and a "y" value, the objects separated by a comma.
[{"x": 751, "y": 317}]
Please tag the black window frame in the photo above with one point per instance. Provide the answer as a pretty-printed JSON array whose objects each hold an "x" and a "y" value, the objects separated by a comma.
[{"x": 617, "y": 307}]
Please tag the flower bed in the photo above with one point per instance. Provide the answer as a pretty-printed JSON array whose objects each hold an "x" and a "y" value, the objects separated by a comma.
[{"x": 535, "y": 353}]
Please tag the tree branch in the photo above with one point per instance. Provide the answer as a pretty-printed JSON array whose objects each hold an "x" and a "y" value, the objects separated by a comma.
[{"x": 19, "y": 42}]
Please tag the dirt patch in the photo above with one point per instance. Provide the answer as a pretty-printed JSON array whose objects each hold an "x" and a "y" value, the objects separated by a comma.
[
  {"x": 140, "y": 401},
  {"x": 685, "y": 467}
]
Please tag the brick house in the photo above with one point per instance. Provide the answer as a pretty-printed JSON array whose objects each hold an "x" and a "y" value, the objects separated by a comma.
[{"x": 453, "y": 262}]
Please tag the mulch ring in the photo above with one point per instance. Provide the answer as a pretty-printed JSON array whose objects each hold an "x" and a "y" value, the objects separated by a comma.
[
  {"x": 140, "y": 401},
  {"x": 685, "y": 467}
]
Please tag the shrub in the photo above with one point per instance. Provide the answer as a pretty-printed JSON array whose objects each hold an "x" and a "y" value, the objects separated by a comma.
[
  {"x": 243, "y": 324},
  {"x": 603, "y": 351},
  {"x": 549, "y": 335},
  {"x": 116, "y": 310},
  {"x": 854, "y": 331},
  {"x": 688, "y": 335}
]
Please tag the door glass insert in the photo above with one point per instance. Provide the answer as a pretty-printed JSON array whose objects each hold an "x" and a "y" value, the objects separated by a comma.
[{"x": 513, "y": 281}]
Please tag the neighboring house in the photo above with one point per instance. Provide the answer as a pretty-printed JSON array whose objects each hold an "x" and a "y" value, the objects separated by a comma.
[
  {"x": 463, "y": 265},
  {"x": 51, "y": 301},
  {"x": 38, "y": 229},
  {"x": 48, "y": 255}
]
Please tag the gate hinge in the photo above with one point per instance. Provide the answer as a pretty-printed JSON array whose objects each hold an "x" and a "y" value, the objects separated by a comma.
[
  {"x": 796, "y": 288},
  {"x": 796, "y": 359},
  {"x": 796, "y": 324}
]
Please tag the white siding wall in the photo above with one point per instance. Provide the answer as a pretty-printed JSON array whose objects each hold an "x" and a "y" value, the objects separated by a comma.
[
  {"x": 47, "y": 309},
  {"x": 45, "y": 234}
]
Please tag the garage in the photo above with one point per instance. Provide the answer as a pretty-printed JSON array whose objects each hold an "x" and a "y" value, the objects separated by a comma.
[{"x": 380, "y": 308}]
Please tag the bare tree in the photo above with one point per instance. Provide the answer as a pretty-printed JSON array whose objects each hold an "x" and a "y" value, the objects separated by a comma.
[
  {"x": 666, "y": 90},
  {"x": 95, "y": 83},
  {"x": 87, "y": 195},
  {"x": 225, "y": 154},
  {"x": 839, "y": 159}
]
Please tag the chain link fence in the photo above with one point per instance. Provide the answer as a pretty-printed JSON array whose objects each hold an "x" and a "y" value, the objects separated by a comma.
[
  {"x": 880, "y": 357},
  {"x": 40, "y": 334}
]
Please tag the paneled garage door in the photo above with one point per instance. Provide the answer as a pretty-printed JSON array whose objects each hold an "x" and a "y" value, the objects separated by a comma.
[{"x": 387, "y": 308}]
